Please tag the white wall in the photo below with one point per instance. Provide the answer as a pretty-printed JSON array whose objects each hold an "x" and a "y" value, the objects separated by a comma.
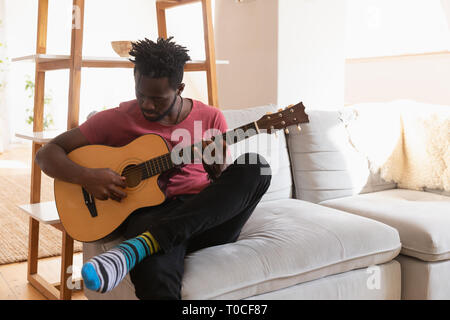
[
  {"x": 246, "y": 34},
  {"x": 422, "y": 78},
  {"x": 311, "y": 53},
  {"x": 401, "y": 37},
  {"x": 281, "y": 52},
  {"x": 387, "y": 27}
]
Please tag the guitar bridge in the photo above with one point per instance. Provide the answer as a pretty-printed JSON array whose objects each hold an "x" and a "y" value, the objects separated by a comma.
[{"x": 89, "y": 201}]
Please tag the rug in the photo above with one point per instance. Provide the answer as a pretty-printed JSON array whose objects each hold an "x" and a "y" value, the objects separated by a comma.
[{"x": 14, "y": 191}]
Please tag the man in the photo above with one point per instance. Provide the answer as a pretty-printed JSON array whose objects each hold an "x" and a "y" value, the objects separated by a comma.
[{"x": 206, "y": 204}]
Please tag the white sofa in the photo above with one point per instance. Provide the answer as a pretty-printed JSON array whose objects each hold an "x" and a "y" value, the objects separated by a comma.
[
  {"x": 330, "y": 172},
  {"x": 321, "y": 231}
]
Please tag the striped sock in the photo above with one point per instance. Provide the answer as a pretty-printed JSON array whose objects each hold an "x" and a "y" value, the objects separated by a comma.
[{"x": 104, "y": 272}]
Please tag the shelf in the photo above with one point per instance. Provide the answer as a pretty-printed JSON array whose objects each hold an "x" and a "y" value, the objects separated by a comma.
[
  {"x": 47, "y": 62},
  {"x": 44, "y": 212},
  {"x": 39, "y": 137},
  {"x": 165, "y": 4}
]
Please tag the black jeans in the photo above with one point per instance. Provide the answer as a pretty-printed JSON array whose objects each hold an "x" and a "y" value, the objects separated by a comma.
[{"x": 188, "y": 223}]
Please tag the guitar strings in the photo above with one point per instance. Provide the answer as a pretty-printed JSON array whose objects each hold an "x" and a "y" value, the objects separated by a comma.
[
  {"x": 140, "y": 167},
  {"x": 154, "y": 162},
  {"x": 160, "y": 162}
]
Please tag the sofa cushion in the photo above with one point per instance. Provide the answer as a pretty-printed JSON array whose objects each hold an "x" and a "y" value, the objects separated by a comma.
[
  {"x": 325, "y": 165},
  {"x": 359, "y": 284},
  {"x": 423, "y": 280},
  {"x": 438, "y": 191},
  {"x": 273, "y": 148},
  {"x": 421, "y": 218},
  {"x": 286, "y": 242}
]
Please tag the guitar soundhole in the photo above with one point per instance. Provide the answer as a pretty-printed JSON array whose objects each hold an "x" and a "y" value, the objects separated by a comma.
[{"x": 133, "y": 175}]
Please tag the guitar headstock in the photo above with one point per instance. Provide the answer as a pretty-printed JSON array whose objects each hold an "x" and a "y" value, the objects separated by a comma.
[{"x": 289, "y": 116}]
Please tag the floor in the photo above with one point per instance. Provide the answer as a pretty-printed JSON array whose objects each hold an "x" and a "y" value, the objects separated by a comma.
[
  {"x": 13, "y": 277},
  {"x": 14, "y": 284}
]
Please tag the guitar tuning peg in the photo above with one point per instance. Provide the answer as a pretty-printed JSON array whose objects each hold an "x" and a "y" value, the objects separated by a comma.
[
  {"x": 286, "y": 131},
  {"x": 299, "y": 128}
]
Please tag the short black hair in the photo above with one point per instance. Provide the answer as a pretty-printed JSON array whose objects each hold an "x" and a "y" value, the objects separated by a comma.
[{"x": 163, "y": 58}]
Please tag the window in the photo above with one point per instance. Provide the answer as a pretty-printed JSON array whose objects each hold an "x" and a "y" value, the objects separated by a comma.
[{"x": 395, "y": 27}]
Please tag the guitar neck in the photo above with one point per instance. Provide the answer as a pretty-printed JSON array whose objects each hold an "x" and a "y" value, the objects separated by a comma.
[
  {"x": 292, "y": 115},
  {"x": 241, "y": 133},
  {"x": 164, "y": 163}
]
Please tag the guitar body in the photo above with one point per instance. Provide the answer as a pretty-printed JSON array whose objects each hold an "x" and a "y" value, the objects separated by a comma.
[
  {"x": 87, "y": 219},
  {"x": 77, "y": 219}
]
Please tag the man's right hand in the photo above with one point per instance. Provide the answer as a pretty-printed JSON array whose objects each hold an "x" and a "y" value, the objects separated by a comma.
[
  {"x": 105, "y": 184},
  {"x": 52, "y": 158}
]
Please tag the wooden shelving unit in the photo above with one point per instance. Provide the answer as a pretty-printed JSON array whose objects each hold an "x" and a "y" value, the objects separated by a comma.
[
  {"x": 46, "y": 212},
  {"x": 46, "y": 62}
]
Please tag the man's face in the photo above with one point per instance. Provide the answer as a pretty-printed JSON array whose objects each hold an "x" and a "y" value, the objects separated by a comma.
[{"x": 153, "y": 95}]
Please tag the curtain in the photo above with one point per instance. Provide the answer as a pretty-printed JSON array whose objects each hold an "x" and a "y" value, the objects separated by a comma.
[
  {"x": 3, "y": 124},
  {"x": 446, "y": 8},
  {"x": 5, "y": 134}
]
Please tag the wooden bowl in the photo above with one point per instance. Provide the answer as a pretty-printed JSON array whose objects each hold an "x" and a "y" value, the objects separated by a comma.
[{"x": 122, "y": 48}]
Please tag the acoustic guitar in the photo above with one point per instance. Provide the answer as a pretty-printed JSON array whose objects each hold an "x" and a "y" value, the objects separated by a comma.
[{"x": 142, "y": 162}]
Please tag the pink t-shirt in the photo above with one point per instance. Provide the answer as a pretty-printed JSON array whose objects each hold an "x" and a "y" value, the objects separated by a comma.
[{"x": 119, "y": 126}]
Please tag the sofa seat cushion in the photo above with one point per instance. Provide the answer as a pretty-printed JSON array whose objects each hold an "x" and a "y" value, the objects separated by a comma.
[
  {"x": 424, "y": 280},
  {"x": 286, "y": 242},
  {"x": 421, "y": 218}
]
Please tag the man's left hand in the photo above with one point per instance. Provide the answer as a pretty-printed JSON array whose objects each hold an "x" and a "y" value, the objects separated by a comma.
[{"x": 214, "y": 157}]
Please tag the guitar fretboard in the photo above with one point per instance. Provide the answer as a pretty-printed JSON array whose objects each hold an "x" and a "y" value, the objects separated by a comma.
[
  {"x": 164, "y": 162},
  {"x": 156, "y": 166}
]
